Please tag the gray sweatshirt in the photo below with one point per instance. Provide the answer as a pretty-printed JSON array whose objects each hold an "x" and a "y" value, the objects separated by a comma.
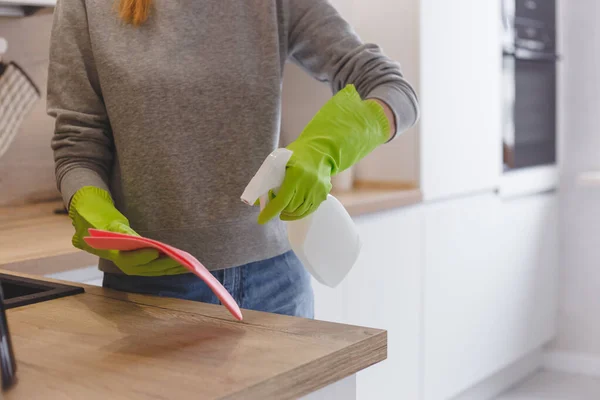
[{"x": 176, "y": 116}]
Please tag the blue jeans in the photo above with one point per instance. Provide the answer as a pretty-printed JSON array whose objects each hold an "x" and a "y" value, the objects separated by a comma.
[{"x": 279, "y": 285}]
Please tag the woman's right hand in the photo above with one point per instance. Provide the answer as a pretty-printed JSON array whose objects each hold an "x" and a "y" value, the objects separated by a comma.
[{"x": 92, "y": 207}]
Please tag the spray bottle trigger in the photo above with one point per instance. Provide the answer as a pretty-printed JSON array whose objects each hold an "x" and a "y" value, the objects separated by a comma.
[
  {"x": 266, "y": 198},
  {"x": 263, "y": 201}
]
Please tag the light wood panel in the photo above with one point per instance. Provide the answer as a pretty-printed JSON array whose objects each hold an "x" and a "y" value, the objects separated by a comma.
[{"x": 107, "y": 344}]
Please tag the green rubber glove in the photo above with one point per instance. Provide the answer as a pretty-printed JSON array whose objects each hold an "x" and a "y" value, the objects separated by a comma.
[
  {"x": 344, "y": 131},
  {"x": 92, "y": 207}
]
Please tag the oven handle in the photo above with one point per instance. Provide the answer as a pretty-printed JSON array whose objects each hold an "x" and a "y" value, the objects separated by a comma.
[{"x": 528, "y": 55}]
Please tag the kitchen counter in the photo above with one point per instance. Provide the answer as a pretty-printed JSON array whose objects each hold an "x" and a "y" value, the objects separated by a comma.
[
  {"x": 107, "y": 344},
  {"x": 35, "y": 240}
]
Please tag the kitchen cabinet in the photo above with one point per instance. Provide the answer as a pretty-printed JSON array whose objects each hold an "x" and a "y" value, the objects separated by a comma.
[
  {"x": 464, "y": 288},
  {"x": 461, "y": 267},
  {"x": 531, "y": 243},
  {"x": 460, "y": 93},
  {"x": 329, "y": 302},
  {"x": 451, "y": 52},
  {"x": 491, "y": 270},
  {"x": 384, "y": 290}
]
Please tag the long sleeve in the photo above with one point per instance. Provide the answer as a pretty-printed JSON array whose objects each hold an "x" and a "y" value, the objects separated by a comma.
[
  {"x": 325, "y": 45},
  {"x": 82, "y": 141}
]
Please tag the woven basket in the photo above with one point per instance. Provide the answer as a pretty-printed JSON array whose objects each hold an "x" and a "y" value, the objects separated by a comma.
[{"x": 18, "y": 94}]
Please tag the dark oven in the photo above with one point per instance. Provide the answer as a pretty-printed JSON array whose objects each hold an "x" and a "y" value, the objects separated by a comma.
[{"x": 529, "y": 68}]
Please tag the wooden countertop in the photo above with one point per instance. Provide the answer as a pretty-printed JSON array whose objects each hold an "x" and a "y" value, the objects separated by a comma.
[
  {"x": 105, "y": 344},
  {"x": 35, "y": 240},
  {"x": 365, "y": 201},
  {"x": 369, "y": 197}
]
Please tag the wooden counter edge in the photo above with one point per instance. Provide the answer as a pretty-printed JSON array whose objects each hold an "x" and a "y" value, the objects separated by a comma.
[{"x": 339, "y": 365}]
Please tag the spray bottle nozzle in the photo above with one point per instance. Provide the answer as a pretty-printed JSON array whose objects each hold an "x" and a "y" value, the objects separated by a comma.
[{"x": 269, "y": 176}]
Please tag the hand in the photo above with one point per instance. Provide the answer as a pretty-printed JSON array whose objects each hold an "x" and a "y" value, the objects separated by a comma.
[
  {"x": 92, "y": 207},
  {"x": 344, "y": 131}
]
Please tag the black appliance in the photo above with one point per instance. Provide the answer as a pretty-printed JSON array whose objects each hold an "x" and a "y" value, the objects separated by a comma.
[
  {"x": 530, "y": 71},
  {"x": 8, "y": 365},
  {"x": 17, "y": 292}
]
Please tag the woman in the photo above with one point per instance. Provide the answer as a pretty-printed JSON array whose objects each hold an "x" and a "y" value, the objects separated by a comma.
[{"x": 165, "y": 110}]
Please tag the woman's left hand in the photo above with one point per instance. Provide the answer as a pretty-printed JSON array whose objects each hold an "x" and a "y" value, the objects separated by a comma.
[{"x": 344, "y": 131}]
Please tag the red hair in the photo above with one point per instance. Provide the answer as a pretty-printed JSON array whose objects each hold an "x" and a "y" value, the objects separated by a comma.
[{"x": 134, "y": 12}]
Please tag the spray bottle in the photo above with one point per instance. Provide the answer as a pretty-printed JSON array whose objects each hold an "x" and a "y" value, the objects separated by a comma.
[{"x": 326, "y": 241}]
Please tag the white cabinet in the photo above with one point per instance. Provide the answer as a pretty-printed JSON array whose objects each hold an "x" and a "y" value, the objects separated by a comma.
[
  {"x": 384, "y": 291},
  {"x": 330, "y": 303},
  {"x": 531, "y": 242},
  {"x": 464, "y": 287},
  {"x": 461, "y": 290},
  {"x": 460, "y": 81},
  {"x": 490, "y": 287}
]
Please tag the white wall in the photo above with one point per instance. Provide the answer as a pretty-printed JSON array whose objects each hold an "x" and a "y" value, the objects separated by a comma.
[
  {"x": 579, "y": 327},
  {"x": 393, "y": 25},
  {"x": 27, "y": 169}
]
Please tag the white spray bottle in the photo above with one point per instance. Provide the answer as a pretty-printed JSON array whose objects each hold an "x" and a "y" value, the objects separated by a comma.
[{"x": 326, "y": 241}]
